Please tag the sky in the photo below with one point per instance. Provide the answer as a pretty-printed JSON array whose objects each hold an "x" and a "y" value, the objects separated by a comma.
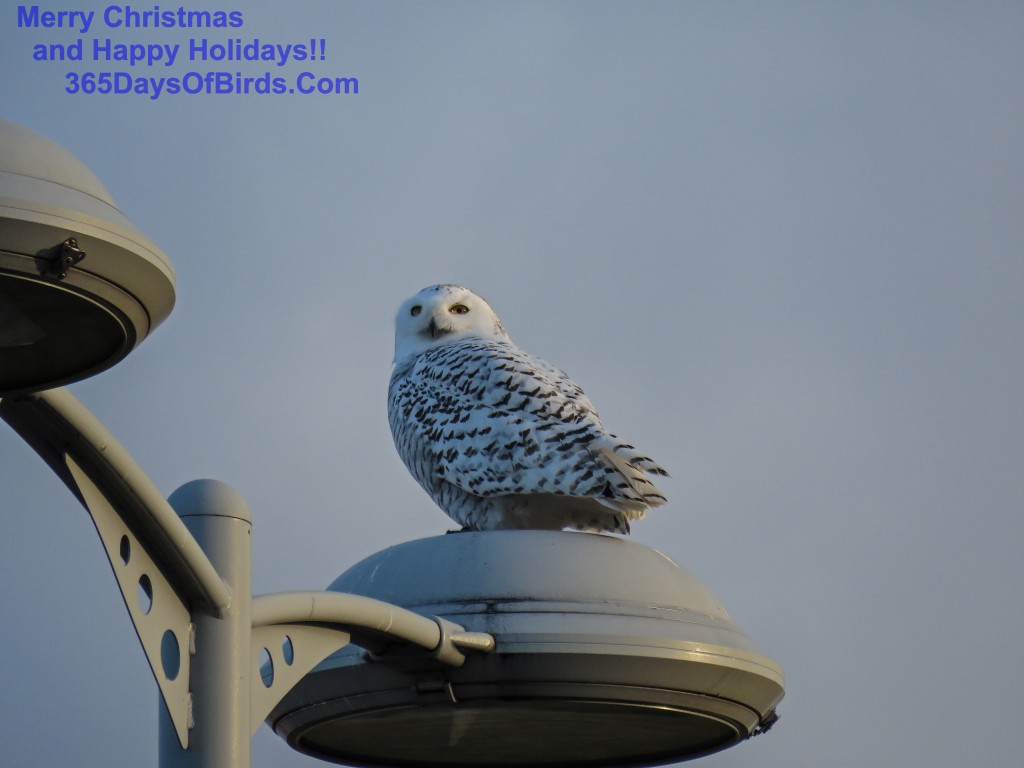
[{"x": 779, "y": 244}]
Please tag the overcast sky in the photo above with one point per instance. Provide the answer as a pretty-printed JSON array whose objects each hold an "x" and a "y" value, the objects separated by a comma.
[{"x": 779, "y": 244}]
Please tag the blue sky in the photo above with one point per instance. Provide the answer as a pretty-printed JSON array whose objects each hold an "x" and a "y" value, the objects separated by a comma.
[{"x": 780, "y": 245}]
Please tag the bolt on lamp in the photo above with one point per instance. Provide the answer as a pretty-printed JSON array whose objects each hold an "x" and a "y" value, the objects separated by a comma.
[{"x": 503, "y": 648}]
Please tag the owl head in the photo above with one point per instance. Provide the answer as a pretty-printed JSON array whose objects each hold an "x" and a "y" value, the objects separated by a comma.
[{"x": 440, "y": 315}]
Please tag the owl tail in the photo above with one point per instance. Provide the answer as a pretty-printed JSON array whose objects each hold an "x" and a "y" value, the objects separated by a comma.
[{"x": 630, "y": 491}]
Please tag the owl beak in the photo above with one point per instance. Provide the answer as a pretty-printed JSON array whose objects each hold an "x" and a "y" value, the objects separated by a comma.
[{"x": 435, "y": 328}]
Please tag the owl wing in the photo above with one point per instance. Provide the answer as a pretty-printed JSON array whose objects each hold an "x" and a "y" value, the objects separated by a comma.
[{"x": 499, "y": 421}]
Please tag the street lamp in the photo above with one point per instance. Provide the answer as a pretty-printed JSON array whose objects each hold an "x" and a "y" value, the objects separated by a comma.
[
  {"x": 80, "y": 287},
  {"x": 608, "y": 653},
  {"x": 490, "y": 648}
]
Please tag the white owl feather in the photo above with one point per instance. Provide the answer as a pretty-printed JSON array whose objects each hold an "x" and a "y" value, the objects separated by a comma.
[{"x": 500, "y": 438}]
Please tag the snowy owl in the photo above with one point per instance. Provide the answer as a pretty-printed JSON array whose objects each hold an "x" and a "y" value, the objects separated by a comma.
[{"x": 500, "y": 438}]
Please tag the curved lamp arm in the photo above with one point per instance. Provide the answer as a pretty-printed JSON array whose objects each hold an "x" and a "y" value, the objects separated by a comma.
[
  {"x": 164, "y": 576},
  {"x": 59, "y": 427},
  {"x": 169, "y": 584},
  {"x": 298, "y": 630}
]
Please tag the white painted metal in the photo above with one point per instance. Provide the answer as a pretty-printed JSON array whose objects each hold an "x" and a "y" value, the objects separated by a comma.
[
  {"x": 152, "y": 603},
  {"x": 80, "y": 287},
  {"x": 200, "y": 628},
  {"x": 219, "y": 519},
  {"x": 46, "y": 197},
  {"x": 296, "y": 620},
  {"x": 55, "y": 423},
  {"x": 607, "y": 652},
  {"x": 291, "y": 651}
]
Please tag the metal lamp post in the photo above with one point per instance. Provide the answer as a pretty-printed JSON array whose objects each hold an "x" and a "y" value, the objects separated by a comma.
[
  {"x": 184, "y": 567},
  {"x": 576, "y": 649},
  {"x": 79, "y": 289}
]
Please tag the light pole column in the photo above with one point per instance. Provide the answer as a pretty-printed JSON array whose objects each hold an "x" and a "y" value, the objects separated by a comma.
[{"x": 220, "y": 678}]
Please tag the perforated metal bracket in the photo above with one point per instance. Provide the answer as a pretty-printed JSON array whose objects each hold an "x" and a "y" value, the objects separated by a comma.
[
  {"x": 161, "y": 619},
  {"x": 295, "y": 631},
  {"x": 282, "y": 654}
]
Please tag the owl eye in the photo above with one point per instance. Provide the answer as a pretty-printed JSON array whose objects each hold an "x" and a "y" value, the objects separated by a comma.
[
  {"x": 458, "y": 309},
  {"x": 416, "y": 309}
]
